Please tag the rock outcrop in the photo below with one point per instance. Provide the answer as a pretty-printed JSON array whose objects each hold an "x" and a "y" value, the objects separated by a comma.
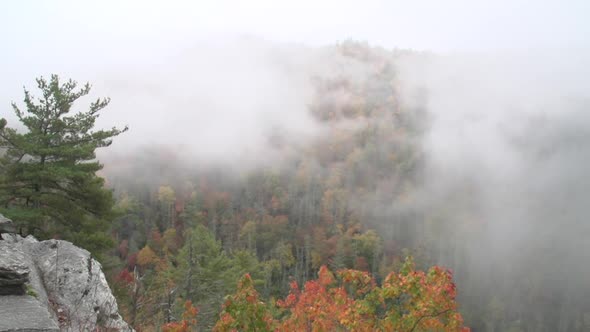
[
  {"x": 53, "y": 286},
  {"x": 14, "y": 273},
  {"x": 6, "y": 225}
]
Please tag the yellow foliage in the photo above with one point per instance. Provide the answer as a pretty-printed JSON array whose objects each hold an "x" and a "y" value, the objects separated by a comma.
[
  {"x": 166, "y": 194},
  {"x": 146, "y": 256}
]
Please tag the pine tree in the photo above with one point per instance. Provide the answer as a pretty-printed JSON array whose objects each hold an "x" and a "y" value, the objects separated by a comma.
[{"x": 48, "y": 178}]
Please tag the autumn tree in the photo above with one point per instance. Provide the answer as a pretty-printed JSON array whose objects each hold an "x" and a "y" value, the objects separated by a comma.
[
  {"x": 410, "y": 300},
  {"x": 188, "y": 321},
  {"x": 319, "y": 307},
  {"x": 351, "y": 300},
  {"x": 48, "y": 180},
  {"x": 158, "y": 278},
  {"x": 244, "y": 311}
]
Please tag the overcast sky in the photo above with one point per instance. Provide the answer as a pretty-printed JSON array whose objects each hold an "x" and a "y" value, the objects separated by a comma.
[
  {"x": 47, "y": 30},
  {"x": 73, "y": 37}
]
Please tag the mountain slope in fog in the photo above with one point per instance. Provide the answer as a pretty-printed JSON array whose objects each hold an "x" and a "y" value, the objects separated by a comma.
[{"x": 354, "y": 156}]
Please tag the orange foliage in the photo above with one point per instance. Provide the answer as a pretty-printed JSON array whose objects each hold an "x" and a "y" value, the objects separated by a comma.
[
  {"x": 188, "y": 320},
  {"x": 319, "y": 307},
  {"x": 407, "y": 301}
]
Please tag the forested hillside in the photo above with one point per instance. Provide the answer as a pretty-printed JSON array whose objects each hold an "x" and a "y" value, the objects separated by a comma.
[
  {"x": 266, "y": 186},
  {"x": 195, "y": 229},
  {"x": 356, "y": 195}
]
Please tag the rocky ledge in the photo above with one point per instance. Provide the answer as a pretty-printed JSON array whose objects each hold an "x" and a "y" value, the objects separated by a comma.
[{"x": 53, "y": 286}]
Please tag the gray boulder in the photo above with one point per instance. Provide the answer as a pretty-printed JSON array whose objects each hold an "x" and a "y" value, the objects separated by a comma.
[
  {"x": 65, "y": 288},
  {"x": 75, "y": 282},
  {"x": 25, "y": 313},
  {"x": 14, "y": 273},
  {"x": 27, "y": 309}
]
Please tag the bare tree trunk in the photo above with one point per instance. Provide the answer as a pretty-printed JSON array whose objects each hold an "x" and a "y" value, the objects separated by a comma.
[
  {"x": 135, "y": 298},
  {"x": 189, "y": 281}
]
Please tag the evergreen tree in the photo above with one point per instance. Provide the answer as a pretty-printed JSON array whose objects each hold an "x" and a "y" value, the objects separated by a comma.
[
  {"x": 206, "y": 274},
  {"x": 48, "y": 178}
]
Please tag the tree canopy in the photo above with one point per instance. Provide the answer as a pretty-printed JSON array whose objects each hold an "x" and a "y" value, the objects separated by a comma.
[{"x": 351, "y": 301}]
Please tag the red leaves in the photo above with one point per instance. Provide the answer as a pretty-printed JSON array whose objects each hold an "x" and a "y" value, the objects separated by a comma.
[
  {"x": 125, "y": 277},
  {"x": 325, "y": 305},
  {"x": 325, "y": 276},
  {"x": 291, "y": 299},
  {"x": 407, "y": 301}
]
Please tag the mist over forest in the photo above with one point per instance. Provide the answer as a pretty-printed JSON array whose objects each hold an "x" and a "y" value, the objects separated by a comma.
[
  {"x": 352, "y": 154},
  {"x": 493, "y": 186}
]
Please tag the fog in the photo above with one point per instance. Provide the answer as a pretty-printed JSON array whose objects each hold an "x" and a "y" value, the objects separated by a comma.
[
  {"x": 507, "y": 140},
  {"x": 507, "y": 151}
]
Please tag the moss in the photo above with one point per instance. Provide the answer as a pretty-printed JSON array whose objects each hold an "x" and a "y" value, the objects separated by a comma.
[{"x": 31, "y": 291}]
